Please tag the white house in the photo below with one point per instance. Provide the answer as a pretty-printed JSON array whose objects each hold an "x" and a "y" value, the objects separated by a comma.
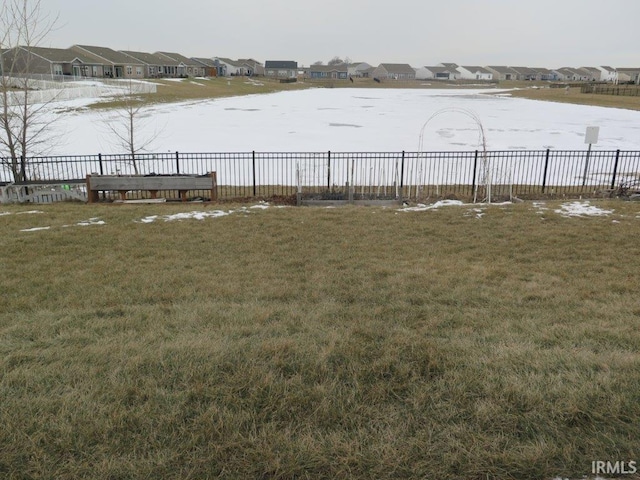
[
  {"x": 437, "y": 73},
  {"x": 629, "y": 75},
  {"x": 608, "y": 74},
  {"x": 228, "y": 67},
  {"x": 357, "y": 69},
  {"x": 474, "y": 73}
]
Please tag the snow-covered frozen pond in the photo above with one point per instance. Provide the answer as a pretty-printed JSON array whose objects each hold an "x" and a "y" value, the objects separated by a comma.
[{"x": 356, "y": 120}]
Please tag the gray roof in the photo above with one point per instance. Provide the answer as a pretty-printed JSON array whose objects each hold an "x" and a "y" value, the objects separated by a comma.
[
  {"x": 281, "y": 64},
  {"x": 249, "y": 61},
  {"x": 442, "y": 70},
  {"x": 543, "y": 71},
  {"x": 207, "y": 62},
  {"x": 146, "y": 58},
  {"x": 178, "y": 58},
  {"x": 524, "y": 70},
  {"x": 61, "y": 55},
  {"x": 105, "y": 54},
  {"x": 228, "y": 61},
  {"x": 397, "y": 68},
  {"x": 570, "y": 71},
  {"x": 342, "y": 67},
  {"x": 502, "y": 69},
  {"x": 477, "y": 69}
]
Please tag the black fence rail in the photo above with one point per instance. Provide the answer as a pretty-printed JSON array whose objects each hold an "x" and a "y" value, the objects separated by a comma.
[{"x": 409, "y": 175}]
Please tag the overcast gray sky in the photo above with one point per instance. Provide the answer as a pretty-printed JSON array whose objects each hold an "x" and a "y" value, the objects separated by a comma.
[{"x": 535, "y": 33}]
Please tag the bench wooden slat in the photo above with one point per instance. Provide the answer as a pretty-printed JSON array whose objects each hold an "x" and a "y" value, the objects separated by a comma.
[{"x": 153, "y": 184}]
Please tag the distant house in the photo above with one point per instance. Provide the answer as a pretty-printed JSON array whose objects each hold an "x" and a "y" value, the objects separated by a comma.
[
  {"x": 594, "y": 74},
  {"x": 281, "y": 69},
  {"x": 628, "y": 74},
  {"x": 153, "y": 64},
  {"x": 252, "y": 67},
  {"x": 394, "y": 71},
  {"x": 209, "y": 64},
  {"x": 608, "y": 74},
  {"x": 358, "y": 69},
  {"x": 546, "y": 74},
  {"x": 569, "y": 74},
  {"x": 115, "y": 64},
  {"x": 186, "y": 67},
  {"x": 340, "y": 71},
  {"x": 50, "y": 61},
  {"x": 502, "y": 73},
  {"x": 525, "y": 73},
  {"x": 474, "y": 73},
  {"x": 437, "y": 73},
  {"x": 230, "y": 68}
]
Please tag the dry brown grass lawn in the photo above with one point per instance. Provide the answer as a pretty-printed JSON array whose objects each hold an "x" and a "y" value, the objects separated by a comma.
[
  {"x": 574, "y": 96},
  {"x": 202, "y": 88},
  {"x": 318, "y": 343}
]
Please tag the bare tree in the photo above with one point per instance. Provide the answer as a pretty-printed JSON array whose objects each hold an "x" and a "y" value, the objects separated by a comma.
[
  {"x": 127, "y": 122},
  {"x": 23, "y": 125},
  {"x": 335, "y": 61},
  {"x": 319, "y": 62}
]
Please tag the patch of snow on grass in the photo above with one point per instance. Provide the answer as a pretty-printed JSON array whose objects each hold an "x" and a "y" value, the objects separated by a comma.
[
  {"x": 200, "y": 215},
  {"x": 581, "y": 209},
  {"x": 35, "y": 229},
  {"x": 261, "y": 206},
  {"x": 479, "y": 212},
  {"x": 91, "y": 221},
  {"x": 442, "y": 203},
  {"x": 195, "y": 215},
  {"x": 540, "y": 206}
]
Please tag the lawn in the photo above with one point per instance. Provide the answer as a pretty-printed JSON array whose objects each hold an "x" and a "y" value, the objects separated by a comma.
[
  {"x": 459, "y": 342},
  {"x": 576, "y": 97}
]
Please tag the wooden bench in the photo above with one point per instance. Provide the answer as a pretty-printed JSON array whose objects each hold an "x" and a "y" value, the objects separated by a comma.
[{"x": 151, "y": 183}]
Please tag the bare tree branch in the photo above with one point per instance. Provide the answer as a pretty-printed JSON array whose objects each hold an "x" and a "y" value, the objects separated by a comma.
[
  {"x": 128, "y": 123},
  {"x": 23, "y": 125}
]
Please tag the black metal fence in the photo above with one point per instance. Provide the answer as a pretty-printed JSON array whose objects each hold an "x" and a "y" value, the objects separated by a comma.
[{"x": 411, "y": 175}]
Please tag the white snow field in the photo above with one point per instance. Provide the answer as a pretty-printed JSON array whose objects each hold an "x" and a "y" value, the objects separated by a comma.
[{"x": 354, "y": 120}]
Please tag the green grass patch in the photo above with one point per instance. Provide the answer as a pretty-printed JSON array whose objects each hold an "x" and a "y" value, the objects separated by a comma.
[{"x": 318, "y": 343}]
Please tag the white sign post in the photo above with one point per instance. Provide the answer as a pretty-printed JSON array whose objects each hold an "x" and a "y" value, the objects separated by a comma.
[{"x": 590, "y": 137}]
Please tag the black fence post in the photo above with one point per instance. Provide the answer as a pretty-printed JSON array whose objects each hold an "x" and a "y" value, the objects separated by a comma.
[
  {"x": 253, "y": 159},
  {"x": 100, "y": 164},
  {"x": 23, "y": 167},
  {"x": 544, "y": 175},
  {"x": 329, "y": 170},
  {"x": 615, "y": 170},
  {"x": 177, "y": 163},
  {"x": 402, "y": 173},
  {"x": 475, "y": 168}
]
